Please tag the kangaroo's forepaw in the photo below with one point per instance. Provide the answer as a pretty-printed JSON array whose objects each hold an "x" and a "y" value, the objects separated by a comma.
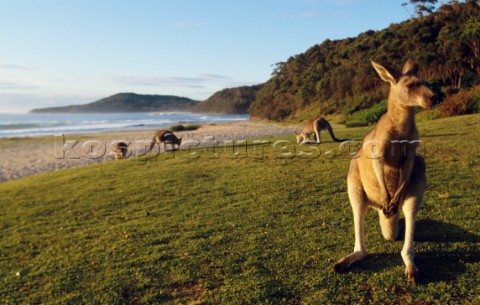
[
  {"x": 391, "y": 208},
  {"x": 412, "y": 274}
]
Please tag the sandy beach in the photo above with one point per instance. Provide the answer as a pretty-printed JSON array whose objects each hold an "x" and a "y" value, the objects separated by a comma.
[{"x": 22, "y": 157}]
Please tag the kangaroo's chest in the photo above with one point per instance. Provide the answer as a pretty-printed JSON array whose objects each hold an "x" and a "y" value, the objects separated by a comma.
[{"x": 393, "y": 156}]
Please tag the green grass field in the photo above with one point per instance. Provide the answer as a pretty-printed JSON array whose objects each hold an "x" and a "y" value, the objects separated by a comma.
[{"x": 254, "y": 224}]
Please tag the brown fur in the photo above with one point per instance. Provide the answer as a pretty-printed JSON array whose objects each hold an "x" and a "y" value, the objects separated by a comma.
[
  {"x": 314, "y": 126},
  {"x": 387, "y": 174},
  {"x": 165, "y": 137},
  {"x": 120, "y": 150}
]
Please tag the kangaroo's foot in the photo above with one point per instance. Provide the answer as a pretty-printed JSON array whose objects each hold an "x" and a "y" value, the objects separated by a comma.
[
  {"x": 411, "y": 270},
  {"x": 348, "y": 260},
  {"x": 412, "y": 274}
]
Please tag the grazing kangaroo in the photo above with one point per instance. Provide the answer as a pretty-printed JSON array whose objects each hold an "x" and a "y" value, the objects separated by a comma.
[
  {"x": 314, "y": 126},
  {"x": 387, "y": 174},
  {"x": 120, "y": 150},
  {"x": 165, "y": 137}
]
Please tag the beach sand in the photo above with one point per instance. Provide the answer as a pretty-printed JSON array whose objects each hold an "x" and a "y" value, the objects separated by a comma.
[{"x": 22, "y": 157}]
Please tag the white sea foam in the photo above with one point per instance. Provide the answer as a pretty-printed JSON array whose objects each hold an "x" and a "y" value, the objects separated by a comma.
[{"x": 20, "y": 125}]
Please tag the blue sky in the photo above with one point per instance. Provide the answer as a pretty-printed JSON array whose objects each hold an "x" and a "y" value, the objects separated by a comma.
[{"x": 56, "y": 53}]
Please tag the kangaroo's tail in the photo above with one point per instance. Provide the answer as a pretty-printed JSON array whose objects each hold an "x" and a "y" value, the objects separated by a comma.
[{"x": 330, "y": 131}]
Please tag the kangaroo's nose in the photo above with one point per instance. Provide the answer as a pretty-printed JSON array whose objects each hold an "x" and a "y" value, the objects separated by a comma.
[
  {"x": 427, "y": 100},
  {"x": 433, "y": 98}
]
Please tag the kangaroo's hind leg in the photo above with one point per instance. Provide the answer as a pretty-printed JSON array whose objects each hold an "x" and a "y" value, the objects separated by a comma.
[
  {"x": 317, "y": 136},
  {"x": 411, "y": 206},
  {"x": 358, "y": 202},
  {"x": 316, "y": 132}
]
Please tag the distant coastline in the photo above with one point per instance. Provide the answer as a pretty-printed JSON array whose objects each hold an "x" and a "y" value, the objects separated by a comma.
[
  {"x": 127, "y": 102},
  {"x": 226, "y": 101}
]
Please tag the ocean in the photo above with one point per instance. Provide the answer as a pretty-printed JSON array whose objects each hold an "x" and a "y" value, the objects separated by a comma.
[{"x": 33, "y": 124}]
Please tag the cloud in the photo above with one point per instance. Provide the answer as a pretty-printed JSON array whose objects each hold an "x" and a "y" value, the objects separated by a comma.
[
  {"x": 7, "y": 85},
  {"x": 15, "y": 98},
  {"x": 213, "y": 76},
  {"x": 23, "y": 102},
  {"x": 196, "y": 82},
  {"x": 13, "y": 78},
  {"x": 15, "y": 67},
  {"x": 197, "y": 87}
]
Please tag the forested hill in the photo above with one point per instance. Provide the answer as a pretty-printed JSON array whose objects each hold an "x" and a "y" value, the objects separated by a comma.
[
  {"x": 337, "y": 77},
  {"x": 127, "y": 102},
  {"x": 230, "y": 100},
  {"x": 226, "y": 101}
]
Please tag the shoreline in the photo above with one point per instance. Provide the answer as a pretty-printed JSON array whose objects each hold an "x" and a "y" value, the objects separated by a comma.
[{"x": 27, "y": 156}]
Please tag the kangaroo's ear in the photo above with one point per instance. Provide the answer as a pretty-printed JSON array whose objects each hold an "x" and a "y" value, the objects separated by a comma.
[
  {"x": 410, "y": 68},
  {"x": 384, "y": 73},
  {"x": 297, "y": 132}
]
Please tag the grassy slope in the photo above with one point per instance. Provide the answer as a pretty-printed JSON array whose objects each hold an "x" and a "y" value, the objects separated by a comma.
[{"x": 236, "y": 229}]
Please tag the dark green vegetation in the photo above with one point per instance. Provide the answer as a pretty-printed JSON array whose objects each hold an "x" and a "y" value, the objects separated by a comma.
[
  {"x": 231, "y": 100},
  {"x": 337, "y": 77},
  {"x": 127, "y": 102},
  {"x": 367, "y": 116},
  {"x": 238, "y": 225},
  {"x": 182, "y": 127}
]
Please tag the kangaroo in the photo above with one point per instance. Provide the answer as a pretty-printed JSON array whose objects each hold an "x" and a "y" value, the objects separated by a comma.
[
  {"x": 165, "y": 137},
  {"x": 314, "y": 126},
  {"x": 120, "y": 150},
  {"x": 387, "y": 174}
]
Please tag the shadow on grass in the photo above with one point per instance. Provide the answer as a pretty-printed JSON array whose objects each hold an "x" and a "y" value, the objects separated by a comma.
[
  {"x": 428, "y": 230},
  {"x": 434, "y": 266},
  {"x": 443, "y": 266}
]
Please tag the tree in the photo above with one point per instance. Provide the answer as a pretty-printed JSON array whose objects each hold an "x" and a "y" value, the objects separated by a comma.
[
  {"x": 422, "y": 7},
  {"x": 336, "y": 75}
]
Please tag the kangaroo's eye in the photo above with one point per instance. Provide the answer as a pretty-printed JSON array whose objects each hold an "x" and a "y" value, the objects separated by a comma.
[{"x": 412, "y": 86}]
